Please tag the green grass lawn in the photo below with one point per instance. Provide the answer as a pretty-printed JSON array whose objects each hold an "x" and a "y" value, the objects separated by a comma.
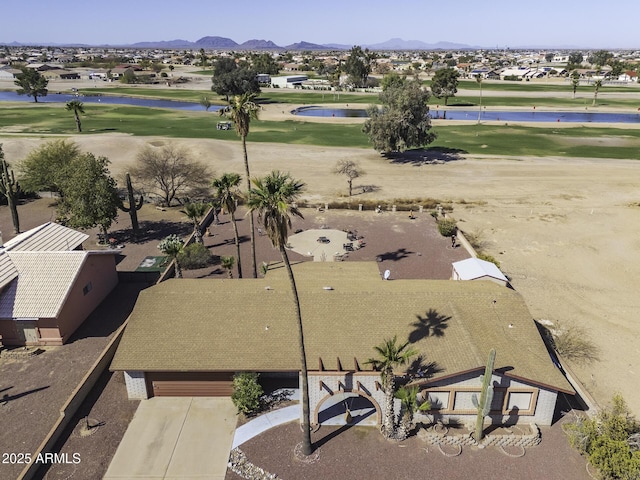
[
  {"x": 593, "y": 142},
  {"x": 529, "y": 102}
]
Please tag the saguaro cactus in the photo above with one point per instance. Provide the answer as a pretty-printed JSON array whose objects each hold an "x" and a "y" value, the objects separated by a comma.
[
  {"x": 133, "y": 207},
  {"x": 10, "y": 189},
  {"x": 486, "y": 396}
]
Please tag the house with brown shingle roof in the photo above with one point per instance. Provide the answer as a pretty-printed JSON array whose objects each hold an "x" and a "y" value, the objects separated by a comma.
[
  {"x": 49, "y": 285},
  {"x": 187, "y": 337}
]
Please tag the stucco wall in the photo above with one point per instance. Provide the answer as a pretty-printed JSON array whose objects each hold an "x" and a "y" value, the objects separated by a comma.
[
  {"x": 322, "y": 385},
  {"x": 100, "y": 270},
  {"x": 511, "y": 400},
  {"x": 136, "y": 385}
]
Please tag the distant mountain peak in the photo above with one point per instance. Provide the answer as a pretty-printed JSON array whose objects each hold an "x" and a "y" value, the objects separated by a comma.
[
  {"x": 215, "y": 42},
  {"x": 255, "y": 44}
]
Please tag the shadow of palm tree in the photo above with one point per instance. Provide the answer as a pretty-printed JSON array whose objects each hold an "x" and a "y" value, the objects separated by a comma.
[
  {"x": 432, "y": 324},
  {"x": 395, "y": 256},
  {"x": 423, "y": 370}
]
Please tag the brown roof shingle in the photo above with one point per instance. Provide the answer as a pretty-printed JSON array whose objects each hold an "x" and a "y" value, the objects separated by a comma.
[{"x": 249, "y": 324}]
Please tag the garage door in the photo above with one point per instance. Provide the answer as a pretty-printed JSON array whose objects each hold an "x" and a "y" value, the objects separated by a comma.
[{"x": 201, "y": 384}]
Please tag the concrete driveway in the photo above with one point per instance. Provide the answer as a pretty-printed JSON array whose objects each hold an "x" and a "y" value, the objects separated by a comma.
[{"x": 176, "y": 438}]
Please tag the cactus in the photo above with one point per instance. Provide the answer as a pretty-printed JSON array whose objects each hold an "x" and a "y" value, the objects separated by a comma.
[
  {"x": 133, "y": 208},
  {"x": 486, "y": 396},
  {"x": 10, "y": 189}
]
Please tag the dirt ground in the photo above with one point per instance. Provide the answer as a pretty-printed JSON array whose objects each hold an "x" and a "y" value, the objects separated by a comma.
[
  {"x": 564, "y": 230},
  {"x": 354, "y": 452}
]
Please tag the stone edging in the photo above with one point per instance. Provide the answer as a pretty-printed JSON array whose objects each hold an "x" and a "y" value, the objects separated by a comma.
[
  {"x": 509, "y": 440},
  {"x": 240, "y": 465}
]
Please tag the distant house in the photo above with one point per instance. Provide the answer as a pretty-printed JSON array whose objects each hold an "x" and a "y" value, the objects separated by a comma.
[
  {"x": 288, "y": 81},
  {"x": 49, "y": 285},
  {"x": 9, "y": 73},
  {"x": 476, "y": 269},
  {"x": 175, "y": 344}
]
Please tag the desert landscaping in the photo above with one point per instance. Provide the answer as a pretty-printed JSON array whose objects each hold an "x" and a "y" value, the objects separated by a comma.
[{"x": 564, "y": 230}]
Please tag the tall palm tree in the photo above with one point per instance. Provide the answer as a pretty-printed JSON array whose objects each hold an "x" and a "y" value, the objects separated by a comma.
[
  {"x": 242, "y": 109},
  {"x": 271, "y": 198},
  {"x": 390, "y": 356},
  {"x": 77, "y": 107},
  {"x": 227, "y": 195},
  {"x": 195, "y": 212},
  {"x": 596, "y": 88}
]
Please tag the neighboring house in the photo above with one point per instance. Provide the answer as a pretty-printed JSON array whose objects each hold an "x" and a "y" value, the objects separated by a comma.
[
  {"x": 9, "y": 73},
  {"x": 476, "y": 269},
  {"x": 177, "y": 343},
  {"x": 288, "y": 81},
  {"x": 49, "y": 285}
]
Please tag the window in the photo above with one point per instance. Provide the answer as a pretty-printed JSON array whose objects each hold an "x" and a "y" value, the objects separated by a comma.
[
  {"x": 439, "y": 400},
  {"x": 87, "y": 288}
]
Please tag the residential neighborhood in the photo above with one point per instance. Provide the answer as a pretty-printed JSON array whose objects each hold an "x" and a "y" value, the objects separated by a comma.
[{"x": 232, "y": 289}]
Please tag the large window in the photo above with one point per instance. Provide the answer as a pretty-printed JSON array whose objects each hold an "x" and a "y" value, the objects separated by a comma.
[{"x": 506, "y": 401}]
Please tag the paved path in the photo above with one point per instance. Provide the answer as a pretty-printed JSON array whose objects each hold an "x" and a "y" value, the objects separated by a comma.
[
  {"x": 173, "y": 438},
  {"x": 306, "y": 243},
  {"x": 264, "y": 422}
]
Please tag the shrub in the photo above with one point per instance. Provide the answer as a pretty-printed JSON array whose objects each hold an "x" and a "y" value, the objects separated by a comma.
[
  {"x": 488, "y": 258},
  {"x": 194, "y": 256},
  {"x": 246, "y": 392},
  {"x": 573, "y": 342},
  {"x": 447, "y": 227},
  {"x": 605, "y": 440}
]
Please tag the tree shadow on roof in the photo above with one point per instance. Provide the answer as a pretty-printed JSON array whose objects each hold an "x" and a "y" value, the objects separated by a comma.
[
  {"x": 433, "y": 324},
  {"x": 426, "y": 156},
  {"x": 420, "y": 369}
]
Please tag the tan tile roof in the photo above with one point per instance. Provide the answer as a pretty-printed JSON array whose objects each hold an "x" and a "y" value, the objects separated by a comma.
[
  {"x": 8, "y": 270},
  {"x": 247, "y": 324},
  {"x": 44, "y": 279},
  {"x": 47, "y": 237}
]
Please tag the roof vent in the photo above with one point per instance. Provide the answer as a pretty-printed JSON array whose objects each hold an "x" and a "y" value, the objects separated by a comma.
[{"x": 327, "y": 288}]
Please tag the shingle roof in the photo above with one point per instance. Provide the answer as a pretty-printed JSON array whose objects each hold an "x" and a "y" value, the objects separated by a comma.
[
  {"x": 47, "y": 237},
  {"x": 249, "y": 324},
  {"x": 42, "y": 284}
]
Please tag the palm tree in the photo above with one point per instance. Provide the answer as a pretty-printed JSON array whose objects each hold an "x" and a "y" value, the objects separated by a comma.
[
  {"x": 77, "y": 107},
  {"x": 596, "y": 87},
  {"x": 227, "y": 263},
  {"x": 390, "y": 355},
  {"x": 479, "y": 82},
  {"x": 227, "y": 195},
  {"x": 271, "y": 198},
  {"x": 195, "y": 212},
  {"x": 242, "y": 109},
  {"x": 172, "y": 246},
  {"x": 408, "y": 397}
]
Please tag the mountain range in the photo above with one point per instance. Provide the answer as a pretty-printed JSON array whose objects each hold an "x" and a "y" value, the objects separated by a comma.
[{"x": 222, "y": 43}]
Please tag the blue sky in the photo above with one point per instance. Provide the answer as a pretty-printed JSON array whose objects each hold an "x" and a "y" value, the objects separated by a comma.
[{"x": 501, "y": 23}]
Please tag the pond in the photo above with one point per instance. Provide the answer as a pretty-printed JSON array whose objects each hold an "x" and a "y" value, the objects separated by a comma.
[
  {"x": 486, "y": 115},
  {"x": 108, "y": 100}
]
